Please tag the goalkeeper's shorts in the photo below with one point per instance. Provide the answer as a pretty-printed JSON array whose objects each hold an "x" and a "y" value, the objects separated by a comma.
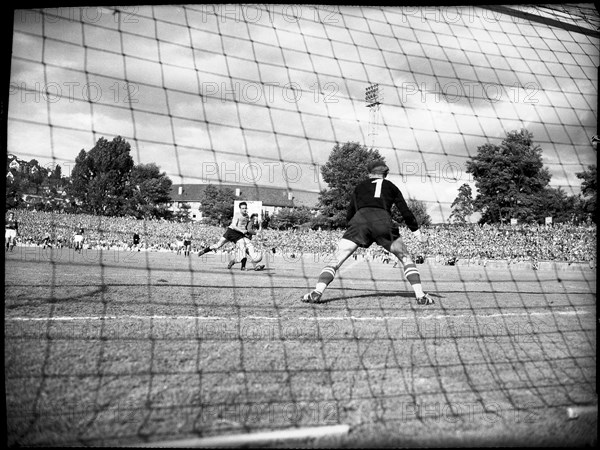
[{"x": 372, "y": 225}]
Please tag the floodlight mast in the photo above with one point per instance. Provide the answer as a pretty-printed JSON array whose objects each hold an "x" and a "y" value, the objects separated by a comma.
[{"x": 373, "y": 97}]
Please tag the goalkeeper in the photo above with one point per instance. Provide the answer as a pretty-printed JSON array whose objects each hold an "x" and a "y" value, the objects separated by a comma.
[{"x": 369, "y": 218}]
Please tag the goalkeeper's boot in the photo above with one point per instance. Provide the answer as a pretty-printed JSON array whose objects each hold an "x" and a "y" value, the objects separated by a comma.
[
  {"x": 425, "y": 300},
  {"x": 260, "y": 267},
  {"x": 230, "y": 264},
  {"x": 312, "y": 297}
]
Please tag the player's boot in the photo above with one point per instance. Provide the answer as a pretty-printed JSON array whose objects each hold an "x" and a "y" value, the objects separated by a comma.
[
  {"x": 425, "y": 300},
  {"x": 230, "y": 264},
  {"x": 260, "y": 267},
  {"x": 203, "y": 251},
  {"x": 312, "y": 297}
]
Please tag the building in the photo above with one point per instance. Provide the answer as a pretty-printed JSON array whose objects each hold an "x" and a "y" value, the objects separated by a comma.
[{"x": 273, "y": 199}]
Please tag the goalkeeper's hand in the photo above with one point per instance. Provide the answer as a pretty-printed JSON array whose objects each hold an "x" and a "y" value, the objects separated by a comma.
[{"x": 423, "y": 238}]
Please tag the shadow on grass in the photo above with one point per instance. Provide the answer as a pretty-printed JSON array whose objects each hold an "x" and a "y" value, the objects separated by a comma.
[
  {"x": 403, "y": 294},
  {"x": 74, "y": 298}
]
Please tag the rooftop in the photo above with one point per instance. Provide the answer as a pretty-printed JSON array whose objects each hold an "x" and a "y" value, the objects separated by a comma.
[{"x": 270, "y": 196}]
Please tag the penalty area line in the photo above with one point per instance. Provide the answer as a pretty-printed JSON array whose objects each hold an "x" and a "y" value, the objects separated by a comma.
[{"x": 302, "y": 318}]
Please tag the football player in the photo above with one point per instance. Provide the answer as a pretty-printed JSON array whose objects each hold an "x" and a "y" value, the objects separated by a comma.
[
  {"x": 11, "y": 231},
  {"x": 245, "y": 248},
  {"x": 78, "y": 237},
  {"x": 235, "y": 231},
  {"x": 187, "y": 243}
]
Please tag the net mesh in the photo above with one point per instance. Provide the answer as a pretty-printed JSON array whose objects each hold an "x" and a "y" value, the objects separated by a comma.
[{"x": 133, "y": 349}]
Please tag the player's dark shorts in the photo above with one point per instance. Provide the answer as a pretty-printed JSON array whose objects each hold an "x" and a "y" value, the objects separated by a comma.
[
  {"x": 372, "y": 225},
  {"x": 233, "y": 235},
  {"x": 187, "y": 243}
]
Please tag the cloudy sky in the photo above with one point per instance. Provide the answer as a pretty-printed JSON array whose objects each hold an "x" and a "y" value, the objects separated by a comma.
[{"x": 260, "y": 94}]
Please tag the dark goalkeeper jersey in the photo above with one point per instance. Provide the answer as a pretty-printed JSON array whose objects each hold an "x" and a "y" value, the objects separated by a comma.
[{"x": 383, "y": 194}]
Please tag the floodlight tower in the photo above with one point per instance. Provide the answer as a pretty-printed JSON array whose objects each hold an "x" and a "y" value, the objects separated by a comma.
[{"x": 373, "y": 98}]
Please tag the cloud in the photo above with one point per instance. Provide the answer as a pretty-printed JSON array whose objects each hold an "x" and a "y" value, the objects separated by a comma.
[{"x": 243, "y": 87}]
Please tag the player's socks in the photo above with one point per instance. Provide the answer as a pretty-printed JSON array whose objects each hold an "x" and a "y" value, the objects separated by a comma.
[
  {"x": 244, "y": 260},
  {"x": 325, "y": 277},
  {"x": 414, "y": 278}
]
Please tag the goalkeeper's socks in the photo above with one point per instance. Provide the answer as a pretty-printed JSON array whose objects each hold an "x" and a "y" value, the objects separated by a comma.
[
  {"x": 203, "y": 251},
  {"x": 244, "y": 260},
  {"x": 325, "y": 277},
  {"x": 414, "y": 278}
]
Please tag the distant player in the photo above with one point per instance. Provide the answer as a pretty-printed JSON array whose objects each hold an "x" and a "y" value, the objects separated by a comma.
[
  {"x": 46, "y": 240},
  {"x": 187, "y": 243},
  {"x": 179, "y": 244},
  {"x": 11, "y": 232},
  {"x": 78, "y": 237},
  {"x": 245, "y": 248},
  {"x": 136, "y": 240},
  {"x": 235, "y": 231},
  {"x": 369, "y": 218}
]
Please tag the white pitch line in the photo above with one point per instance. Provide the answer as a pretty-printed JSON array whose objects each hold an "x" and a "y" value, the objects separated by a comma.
[
  {"x": 574, "y": 412},
  {"x": 331, "y": 318},
  {"x": 265, "y": 437}
]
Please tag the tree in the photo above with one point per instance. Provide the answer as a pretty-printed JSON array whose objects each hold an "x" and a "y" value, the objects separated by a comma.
[
  {"x": 14, "y": 191},
  {"x": 418, "y": 208},
  {"x": 29, "y": 179},
  {"x": 509, "y": 178},
  {"x": 333, "y": 204},
  {"x": 589, "y": 190},
  {"x": 100, "y": 179},
  {"x": 217, "y": 204},
  {"x": 290, "y": 218},
  {"x": 183, "y": 213},
  {"x": 462, "y": 206},
  {"x": 36, "y": 173},
  {"x": 555, "y": 203},
  {"x": 78, "y": 188},
  {"x": 151, "y": 191},
  {"x": 345, "y": 168},
  {"x": 266, "y": 220},
  {"x": 56, "y": 173}
]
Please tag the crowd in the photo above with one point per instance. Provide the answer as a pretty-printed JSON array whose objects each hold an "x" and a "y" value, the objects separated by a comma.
[
  {"x": 447, "y": 243},
  {"x": 108, "y": 232},
  {"x": 558, "y": 242}
]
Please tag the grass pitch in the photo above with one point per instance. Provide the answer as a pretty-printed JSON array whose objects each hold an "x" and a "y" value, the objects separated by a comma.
[{"x": 117, "y": 348}]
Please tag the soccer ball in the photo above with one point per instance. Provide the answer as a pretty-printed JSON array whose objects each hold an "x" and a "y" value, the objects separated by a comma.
[{"x": 255, "y": 256}]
